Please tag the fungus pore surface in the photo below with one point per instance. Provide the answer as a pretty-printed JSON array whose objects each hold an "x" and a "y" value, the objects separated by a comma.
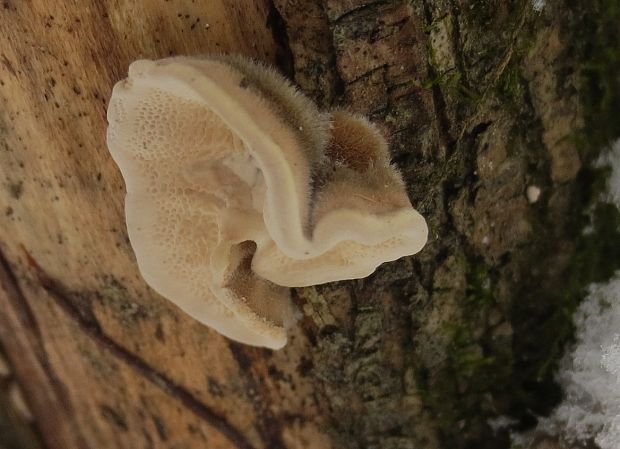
[{"x": 238, "y": 187}]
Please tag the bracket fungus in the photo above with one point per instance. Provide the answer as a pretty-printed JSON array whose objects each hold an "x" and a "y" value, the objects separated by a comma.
[{"x": 238, "y": 187}]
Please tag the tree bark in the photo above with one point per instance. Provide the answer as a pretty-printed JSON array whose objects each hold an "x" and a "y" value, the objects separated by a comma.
[{"x": 481, "y": 101}]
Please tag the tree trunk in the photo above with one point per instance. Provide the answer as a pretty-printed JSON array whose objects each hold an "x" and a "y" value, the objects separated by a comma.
[{"x": 481, "y": 100}]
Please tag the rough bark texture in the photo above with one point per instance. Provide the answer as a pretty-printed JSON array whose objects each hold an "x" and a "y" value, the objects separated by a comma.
[{"x": 481, "y": 99}]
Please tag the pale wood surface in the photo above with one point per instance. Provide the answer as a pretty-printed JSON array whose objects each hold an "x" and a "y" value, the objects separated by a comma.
[{"x": 105, "y": 362}]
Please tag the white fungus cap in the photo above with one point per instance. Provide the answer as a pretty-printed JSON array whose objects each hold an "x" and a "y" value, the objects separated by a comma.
[{"x": 238, "y": 187}]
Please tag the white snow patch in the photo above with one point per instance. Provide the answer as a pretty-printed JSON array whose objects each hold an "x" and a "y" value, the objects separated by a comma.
[
  {"x": 538, "y": 5},
  {"x": 612, "y": 159},
  {"x": 501, "y": 423},
  {"x": 590, "y": 371}
]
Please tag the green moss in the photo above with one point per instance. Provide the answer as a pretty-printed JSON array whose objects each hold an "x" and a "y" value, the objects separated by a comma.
[
  {"x": 451, "y": 84},
  {"x": 598, "y": 255},
  {"x": 597, "y": 42},
  {"x": 398, "y": 116},
  {"x": 479, "y": 292},
  {"x": 543, "y": 315},
  {"x": 466, "y": 356},
  {"x": 485, "y": 375},
  {"x": 478, "y": 366},
  {"x": 512, "y": 88},
  {"x": 489, "y": 375}
]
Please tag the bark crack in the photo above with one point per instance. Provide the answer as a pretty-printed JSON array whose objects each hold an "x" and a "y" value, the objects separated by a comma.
[
  {"x": 438, "y": 99},
  {"x": 499, "y": 70},
  {"x": 22, "y": 308},
  {"x": 343, "y": 16},
  {"x": 268, "y": 426},
  {"x": 456, "y": 42},
  {"x": 284, "y": 55},
  {"x": 60, "y": 296}
]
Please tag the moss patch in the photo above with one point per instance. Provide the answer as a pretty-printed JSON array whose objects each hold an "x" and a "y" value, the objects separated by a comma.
[
  {"x": 518, "y": 313},
  {"x": 597, "y": 43}
]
